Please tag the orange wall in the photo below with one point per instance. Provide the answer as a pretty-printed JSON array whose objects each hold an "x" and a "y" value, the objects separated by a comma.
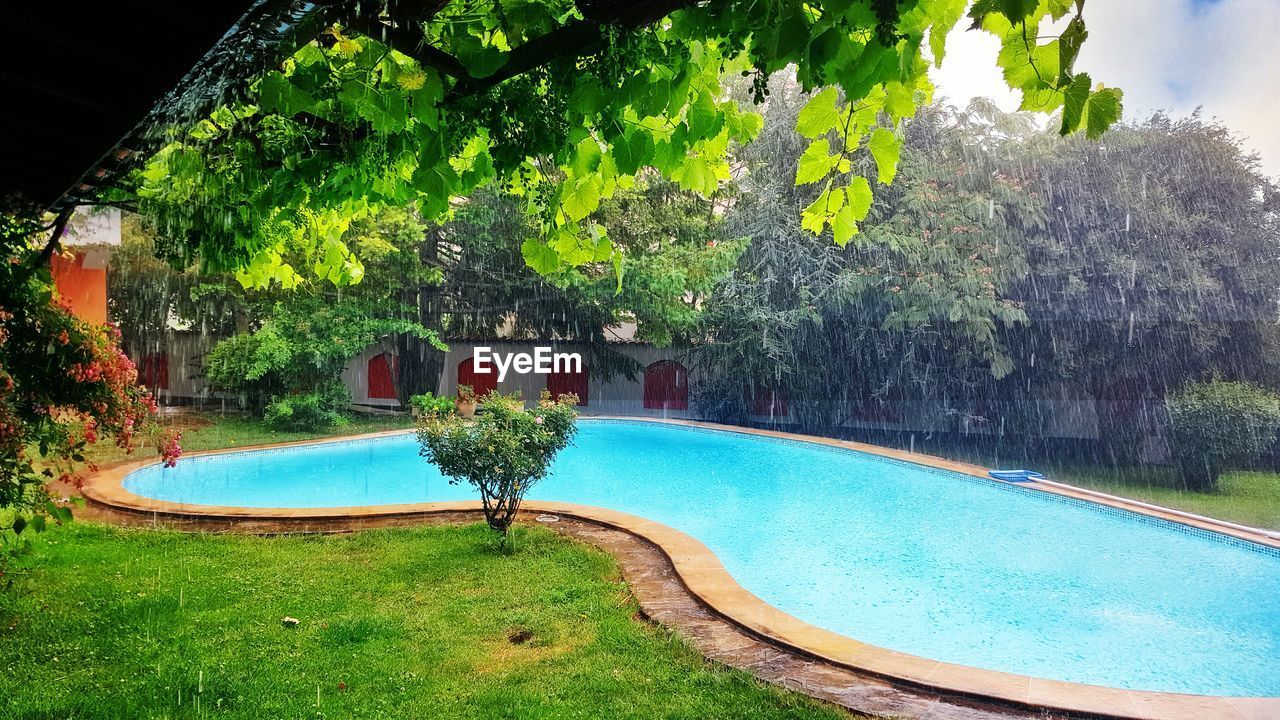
[{"x": 85, "y": 289}]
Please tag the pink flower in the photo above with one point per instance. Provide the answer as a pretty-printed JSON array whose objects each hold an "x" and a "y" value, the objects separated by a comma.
[{"x": 537, "y": 420}]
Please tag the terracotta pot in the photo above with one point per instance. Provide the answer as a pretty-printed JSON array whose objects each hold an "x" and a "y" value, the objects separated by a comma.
[{"x": 466, "y": 408}]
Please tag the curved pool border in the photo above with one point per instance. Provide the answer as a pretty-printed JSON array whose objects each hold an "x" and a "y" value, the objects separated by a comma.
[{"x": 705, "y": 577}]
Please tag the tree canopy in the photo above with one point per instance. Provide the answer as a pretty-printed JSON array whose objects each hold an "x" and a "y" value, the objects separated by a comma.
[
  {"x": 1004, "y": 264},
  {"x": 562, "y": 104},
  {"x": 914, "y": 308}
]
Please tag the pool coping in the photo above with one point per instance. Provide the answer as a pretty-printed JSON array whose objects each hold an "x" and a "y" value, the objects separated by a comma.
[{"x": 706, "y": 578}]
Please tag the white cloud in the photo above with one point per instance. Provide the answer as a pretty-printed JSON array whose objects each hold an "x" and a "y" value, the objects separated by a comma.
[
  {"x": 969, "y": 70},
  {"x": 1175, "y": 55}
]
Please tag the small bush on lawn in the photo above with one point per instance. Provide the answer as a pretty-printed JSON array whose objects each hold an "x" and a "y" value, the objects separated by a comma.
[
  {"x": 309, "y": 411},
  {"x": 1217, "y": 425},
  {"x": 503, "y": 451}
]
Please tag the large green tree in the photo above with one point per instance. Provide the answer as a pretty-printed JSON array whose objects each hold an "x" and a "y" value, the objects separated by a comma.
[
  {"x": 148, "y": 298},
  {"x": 309, "y": 329},
  {"x": 466, "y": 278},
  {"x": 1004, "y": 268},
  {"x": 674, "y": 251},
  {"x": 909, "y": 311},
  {"x": 1157, "y": 267}
]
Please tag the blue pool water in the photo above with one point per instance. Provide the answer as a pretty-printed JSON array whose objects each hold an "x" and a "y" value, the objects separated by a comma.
[{"x": 918, "y": 560}]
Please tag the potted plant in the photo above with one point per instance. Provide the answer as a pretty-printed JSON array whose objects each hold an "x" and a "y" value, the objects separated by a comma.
[{"x": 466, "y": 402}]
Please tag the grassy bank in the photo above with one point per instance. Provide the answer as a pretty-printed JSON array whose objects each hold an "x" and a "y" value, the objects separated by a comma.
[
  {"x": 212, "y": 431},
  {"x": 1245, "y": 497},
  {"x": 427, "y": 622}
]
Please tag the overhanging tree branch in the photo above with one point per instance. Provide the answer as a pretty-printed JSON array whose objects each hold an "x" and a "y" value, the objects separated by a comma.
[
  {"x": 573, "y": 40},
  {"x": 411, "y": 43},
  {"x": 576, "y": 39},
  {"x": 50, "y": 247}
]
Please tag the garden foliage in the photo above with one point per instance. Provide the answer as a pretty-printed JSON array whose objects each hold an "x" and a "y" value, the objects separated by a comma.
[
  {"x": 674, "y": 251},
  {"x": 301, "y": 349},
  {"x": 914, "y": 307},
  {"x": 313, "y": 410},
  {"x": 289, "y": 361},
  {"x": 1004, "y": 266},
  {"x": 429, "y": 403}
]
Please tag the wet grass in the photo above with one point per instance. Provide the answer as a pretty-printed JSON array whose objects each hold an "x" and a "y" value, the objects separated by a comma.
[
  {"x": 1246, "y": 497},
  {"x": 212, "y": 431},
  {"x": 432, "y": 622},
  {"x": 1243, "y": 496}
]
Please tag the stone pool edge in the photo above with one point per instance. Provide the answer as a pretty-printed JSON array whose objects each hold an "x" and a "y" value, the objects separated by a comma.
[{"x": 705, "y": 577}]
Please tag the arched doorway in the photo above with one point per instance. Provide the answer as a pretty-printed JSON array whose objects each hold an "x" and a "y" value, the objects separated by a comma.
[
  {"x": 563, "y": 383},
  {"x": 666, "y": 386},
  {"x": 381, "y": 377},
  {"x": 481, "y": 383}
]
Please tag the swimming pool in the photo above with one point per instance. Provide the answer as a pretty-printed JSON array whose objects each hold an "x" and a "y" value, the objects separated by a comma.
[{"x": 918, "y": 560}]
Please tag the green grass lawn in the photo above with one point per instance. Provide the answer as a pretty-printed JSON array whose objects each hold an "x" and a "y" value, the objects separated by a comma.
[
  {"x": 431, "y": 622},
  {"x": 1244, "y": 497},
  {"x": 212, "y": 431}
]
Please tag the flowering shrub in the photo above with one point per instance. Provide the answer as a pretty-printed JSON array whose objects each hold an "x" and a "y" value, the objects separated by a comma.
[
  {"x": 503, "y": 451},
  {"x": 64, "y": 384}
]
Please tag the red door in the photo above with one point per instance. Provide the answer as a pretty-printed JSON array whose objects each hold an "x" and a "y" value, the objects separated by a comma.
[
  {"x": 563, "y": 383},
  {"x": 481, "y": 383},
  {"x": 381, "y": 377},
  {"x": 153, "y": 371},
  {"x": 666, "y": 386}
]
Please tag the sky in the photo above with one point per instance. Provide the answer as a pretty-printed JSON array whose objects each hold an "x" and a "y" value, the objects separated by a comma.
[{"x": 1175, "y": 55}]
